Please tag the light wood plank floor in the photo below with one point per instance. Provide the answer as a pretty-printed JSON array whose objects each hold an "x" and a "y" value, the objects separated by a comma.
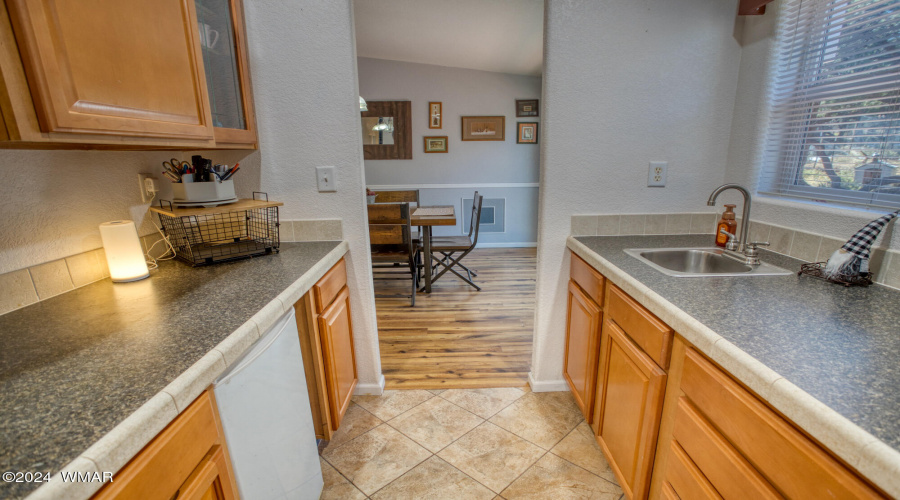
[{"x": 457, "y": 337}]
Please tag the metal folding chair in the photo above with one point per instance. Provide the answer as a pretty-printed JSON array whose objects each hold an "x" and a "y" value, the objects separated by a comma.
[{"x": 448, "y": 246}]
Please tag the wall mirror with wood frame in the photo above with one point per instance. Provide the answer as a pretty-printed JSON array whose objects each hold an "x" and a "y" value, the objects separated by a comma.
[{"x": 387, "y": 130}]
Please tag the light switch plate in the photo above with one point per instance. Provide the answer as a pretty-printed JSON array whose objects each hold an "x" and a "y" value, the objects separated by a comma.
[
  {"x": 656, "y": 177},
  {"x": 325, "y": 179}
]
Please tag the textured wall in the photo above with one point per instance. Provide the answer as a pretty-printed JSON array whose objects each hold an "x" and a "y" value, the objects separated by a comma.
[
  {"x": 626, "y": 82},
  {"x": 462, "y": 92},
  {"x": 747, "y": 142},
  {"x": 303, "y": 63},
  {"x": 53, "y": 201}
]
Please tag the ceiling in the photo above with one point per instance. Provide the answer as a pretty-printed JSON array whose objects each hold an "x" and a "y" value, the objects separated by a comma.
[{"x": 491, "y": 35}]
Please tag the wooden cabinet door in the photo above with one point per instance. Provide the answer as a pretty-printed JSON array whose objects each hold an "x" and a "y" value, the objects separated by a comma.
[
  {"x": 583, "y": 319},
  {"x": 209, "y": 480},
  {"x": 630, "y": 408},
  {"x": 336, "y": 333},
  {"x": 114, "y": 67},
  {"x": 224, "y": 48}
]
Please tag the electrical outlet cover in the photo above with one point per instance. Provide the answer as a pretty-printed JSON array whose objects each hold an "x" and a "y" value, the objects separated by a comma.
[
  {"x": 656, "y": 177},
  {"x": 148, "y": 192}
]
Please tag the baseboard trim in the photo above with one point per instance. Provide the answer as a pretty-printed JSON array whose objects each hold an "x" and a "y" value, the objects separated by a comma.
[
  {"x": 514, "y": 244},
  {"x": 546, "y": 385},
  {"x": 370, "y": 389}
]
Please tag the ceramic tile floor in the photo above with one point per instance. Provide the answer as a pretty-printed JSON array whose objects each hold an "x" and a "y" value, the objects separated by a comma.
[{"x": 466, "y": 444}]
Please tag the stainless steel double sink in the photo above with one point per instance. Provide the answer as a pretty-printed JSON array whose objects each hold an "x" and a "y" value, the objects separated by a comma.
[{"x": 704, "y": 261}]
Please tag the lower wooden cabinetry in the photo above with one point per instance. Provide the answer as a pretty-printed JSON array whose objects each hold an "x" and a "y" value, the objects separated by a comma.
[
  {"x": 630, "y": 403},
  {"x": 674, "y": 425},
  {"x": 187, "y": 460},
  {"x": 326, "y": 341}
]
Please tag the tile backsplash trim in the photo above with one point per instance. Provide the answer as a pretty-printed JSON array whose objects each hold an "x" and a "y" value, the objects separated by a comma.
[
  {"x": 24, "y": 287},
  {"x": 884, "y": 264}
]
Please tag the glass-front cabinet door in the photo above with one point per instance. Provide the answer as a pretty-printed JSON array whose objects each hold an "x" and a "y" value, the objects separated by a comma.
[{"x": 222, "y": 43}]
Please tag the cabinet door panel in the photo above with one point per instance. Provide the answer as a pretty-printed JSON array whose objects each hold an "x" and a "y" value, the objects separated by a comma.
[
  {"x": 788, "y": 460},
  {"x": 725, "y": 468},
  {"x": 582, "y": 345},
  {"x": 631, "y": 401},
  {"x": 117, "y": 67},
  {"x": 683, "y": 476},
  {"x": 336, "y": 333},
  {"x": 207, "y": 481}
]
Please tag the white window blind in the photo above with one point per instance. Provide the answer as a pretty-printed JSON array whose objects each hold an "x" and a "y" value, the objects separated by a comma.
[{"x": 834, "y": 128}]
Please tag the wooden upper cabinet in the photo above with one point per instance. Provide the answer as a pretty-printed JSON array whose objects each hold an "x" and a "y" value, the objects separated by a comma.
[
  {"x": 220, "y": 25},
  {"x": 125, "y": 74},
  {"x": 121, "y": 67}
]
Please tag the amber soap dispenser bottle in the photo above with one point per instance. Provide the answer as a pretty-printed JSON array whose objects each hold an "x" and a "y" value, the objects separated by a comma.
[{"x": 727, "y": 223}]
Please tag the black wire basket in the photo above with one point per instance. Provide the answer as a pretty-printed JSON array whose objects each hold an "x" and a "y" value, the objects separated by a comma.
[
  {"x": 203, "y": 236},
  {"x": 817, "y": 270}
]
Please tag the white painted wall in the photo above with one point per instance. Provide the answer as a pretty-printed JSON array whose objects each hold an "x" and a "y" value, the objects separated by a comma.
[
  {"x": 626, "y": 82},
  {"x": 745, "y": 152},
  {"x": 462, "y": 92},
  {"x": 303, "y": 64}
]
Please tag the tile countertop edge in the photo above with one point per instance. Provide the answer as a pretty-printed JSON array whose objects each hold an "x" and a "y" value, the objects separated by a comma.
[
  {"x": 868, "y": 455},
  {"x": 116, "y": 448}
]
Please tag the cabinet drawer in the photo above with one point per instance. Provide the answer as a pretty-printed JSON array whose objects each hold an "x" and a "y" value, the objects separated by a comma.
[
  {"x": 165, "y": 463},
  {"x": 721, "y": 464},
  {"x": 685, "y": 479},
  {"x": 587, "y": 278},
  {"x": 648, "y": 332},
  {"x": 330, "y": 285},
  {"x": 788, "y": 460}
]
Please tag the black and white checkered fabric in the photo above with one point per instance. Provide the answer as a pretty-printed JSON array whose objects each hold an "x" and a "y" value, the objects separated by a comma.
[{"x": 861, "y": 242}]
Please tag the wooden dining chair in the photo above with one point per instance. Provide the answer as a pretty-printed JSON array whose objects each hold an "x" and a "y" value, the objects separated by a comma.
[
  {"x": 393, "y": 253},
  {"x": 398, "y": 196},
  {"x": 448, "y": 246}
]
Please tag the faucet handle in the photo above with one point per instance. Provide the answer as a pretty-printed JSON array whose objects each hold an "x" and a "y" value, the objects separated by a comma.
[
  {"x": 732, "y": 240},
  {"x": 752, "y": 247}
]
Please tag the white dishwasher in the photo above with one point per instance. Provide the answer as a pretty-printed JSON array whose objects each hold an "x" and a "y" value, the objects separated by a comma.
[{"x": 264, "y": 405}]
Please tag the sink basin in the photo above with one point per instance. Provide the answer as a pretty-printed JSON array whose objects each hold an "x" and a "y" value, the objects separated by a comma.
[{"x": 693, "y": 262}]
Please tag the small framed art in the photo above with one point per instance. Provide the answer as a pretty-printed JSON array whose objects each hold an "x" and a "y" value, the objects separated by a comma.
[
  {"x": 484, "y": 128},
  {"x": 435, "y": 115},
  {"x": 528, "y": 133},
  {"x": 526, "y": 107},
  {"x": 436, "y": 144}
]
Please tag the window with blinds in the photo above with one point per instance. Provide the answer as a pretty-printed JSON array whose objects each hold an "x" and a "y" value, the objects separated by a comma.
[{"x": 834, "y": 128}]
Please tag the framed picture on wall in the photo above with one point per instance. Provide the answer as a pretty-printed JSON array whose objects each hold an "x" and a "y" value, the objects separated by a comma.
[
  {"x": 528, "y": 133},
  {"x": 484, "y": 128},
  {"x": 526, "y": 107},
  {"x": 434, "y": 115},
  {"x": 436, "y": 144}
]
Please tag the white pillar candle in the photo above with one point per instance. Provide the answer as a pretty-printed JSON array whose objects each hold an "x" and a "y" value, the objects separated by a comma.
[{"x": 123, "y": 251}]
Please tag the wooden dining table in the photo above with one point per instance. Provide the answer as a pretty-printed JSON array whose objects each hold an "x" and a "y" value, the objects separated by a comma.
[{"x": 426, "y": 217}]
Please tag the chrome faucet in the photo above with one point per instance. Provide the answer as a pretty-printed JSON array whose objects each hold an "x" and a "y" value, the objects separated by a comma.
[{"x": 746, "y": 250}]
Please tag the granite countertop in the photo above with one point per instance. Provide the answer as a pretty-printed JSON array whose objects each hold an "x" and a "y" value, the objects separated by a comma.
[
  {"x": 74, "y": 367},
  {"x": 796, "y": 341}
]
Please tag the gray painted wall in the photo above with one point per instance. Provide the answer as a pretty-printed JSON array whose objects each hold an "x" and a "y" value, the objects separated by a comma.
[{"x": 497, "y": 169}]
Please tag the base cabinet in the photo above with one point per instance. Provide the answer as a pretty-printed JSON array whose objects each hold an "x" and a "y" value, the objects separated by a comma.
[
  {"x": 674, "y": 425},
  {"x": 326, "y": 341},
  {"x": 187, "y": 460},
  {"x": 630, "y": 404}
]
